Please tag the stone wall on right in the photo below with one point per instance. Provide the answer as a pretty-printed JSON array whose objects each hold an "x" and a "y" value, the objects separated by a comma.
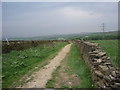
[{"x": 104, "y": 73}]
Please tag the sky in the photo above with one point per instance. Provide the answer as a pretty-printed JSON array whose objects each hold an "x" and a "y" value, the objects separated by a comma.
[{"x": 29, "y": 19}]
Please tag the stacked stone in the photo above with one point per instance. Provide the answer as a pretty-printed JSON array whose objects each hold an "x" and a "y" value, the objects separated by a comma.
[{"x": 104, "y": 73}]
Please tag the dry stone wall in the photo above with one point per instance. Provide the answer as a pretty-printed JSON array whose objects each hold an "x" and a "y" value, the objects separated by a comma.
[
  {"x": 104, "y": 74},
  {"x": 21, "y": 45}
]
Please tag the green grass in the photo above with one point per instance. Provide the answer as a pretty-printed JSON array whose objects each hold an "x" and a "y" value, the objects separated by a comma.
[
  {"x": 111, "y": 48},
  {"x": 79, "y": 67},
  {"x": 76, "y": 66},
  {"x": 51, "y": 82},
  {"x": 18, "y": 63}
]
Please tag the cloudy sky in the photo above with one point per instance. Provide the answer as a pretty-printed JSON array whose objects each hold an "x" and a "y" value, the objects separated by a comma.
[{"x": 25, "y": 19}]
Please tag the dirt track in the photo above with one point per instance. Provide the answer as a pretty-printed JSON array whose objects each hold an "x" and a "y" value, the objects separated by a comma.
[{"x": 40, "y": 78}]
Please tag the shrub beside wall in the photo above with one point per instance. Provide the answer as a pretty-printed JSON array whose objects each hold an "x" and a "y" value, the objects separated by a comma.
[{"x": 104, "y": 74}]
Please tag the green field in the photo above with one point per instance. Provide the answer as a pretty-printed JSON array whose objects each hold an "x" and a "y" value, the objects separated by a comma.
[
  {"x": 111, "y": 48},
  {"x": 17, "y": 63}
]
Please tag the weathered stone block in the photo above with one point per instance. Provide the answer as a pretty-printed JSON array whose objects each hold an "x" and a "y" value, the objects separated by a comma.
[
  {"x": 100, "y": 54},
  {"x": 113, "y": 73},
  {"x": 104, "y": 68},
  {"x": 98, "y": 73},
  {"x": 105, "y": 58},
  {"x": 99, "y": 60}
]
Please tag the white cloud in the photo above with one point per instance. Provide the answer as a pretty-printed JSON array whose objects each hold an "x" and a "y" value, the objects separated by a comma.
[{"x": 75, "y": 13}]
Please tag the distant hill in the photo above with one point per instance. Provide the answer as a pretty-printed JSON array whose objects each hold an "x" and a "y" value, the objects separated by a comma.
[
  {"x": 99, "y": 36},
  {"x": 66, "y": 36}
]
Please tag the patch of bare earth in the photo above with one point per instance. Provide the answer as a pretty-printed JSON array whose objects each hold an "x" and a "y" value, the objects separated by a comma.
[
  {"x": 65, "y": 79},
  {"x": 39, "y": 79}
]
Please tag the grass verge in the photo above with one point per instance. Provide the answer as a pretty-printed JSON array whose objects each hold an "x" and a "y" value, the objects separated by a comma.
[
  {"x": 75, "y": 66},
  {"x": 18, "y": 63},
  {"x": 79, "y": 67}
]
